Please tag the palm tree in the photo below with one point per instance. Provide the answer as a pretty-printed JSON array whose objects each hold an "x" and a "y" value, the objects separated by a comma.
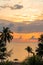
[
  {"x": 39, "y": 50},
  {"x": 4, "y": 37},
  {"x": 2, "y": 50},
  {"x": 29, "y": 50},
  {"x": 41, "y": 38}
]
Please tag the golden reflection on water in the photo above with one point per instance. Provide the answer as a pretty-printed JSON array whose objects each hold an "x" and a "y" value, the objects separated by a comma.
[{"x": 18, "y": 50}]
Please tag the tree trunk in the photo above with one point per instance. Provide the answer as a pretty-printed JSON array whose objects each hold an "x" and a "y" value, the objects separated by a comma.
[
  {"x": 33, "y": 53},
  {"x": 34, "y": 58}
]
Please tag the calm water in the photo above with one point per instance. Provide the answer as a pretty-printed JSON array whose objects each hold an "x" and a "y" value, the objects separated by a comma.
[{"x": 18, "y": 50}]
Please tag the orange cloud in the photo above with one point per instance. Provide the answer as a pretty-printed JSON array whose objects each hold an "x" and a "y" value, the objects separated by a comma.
[{"x": 26, "y": 37}]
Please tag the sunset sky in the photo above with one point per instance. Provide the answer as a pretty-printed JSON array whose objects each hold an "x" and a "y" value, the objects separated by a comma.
[
  {"x": 21, "y": 10},
  {"x": 25, "y": 19}
]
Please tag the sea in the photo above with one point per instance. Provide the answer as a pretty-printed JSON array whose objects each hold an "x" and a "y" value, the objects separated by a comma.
[{"x": 17, "y": 50}]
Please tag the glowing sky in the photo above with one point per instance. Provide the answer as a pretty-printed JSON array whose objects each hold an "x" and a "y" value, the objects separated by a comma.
[
  {"x": 25, "y": 11},
  {"x": 21, "y": 10}
]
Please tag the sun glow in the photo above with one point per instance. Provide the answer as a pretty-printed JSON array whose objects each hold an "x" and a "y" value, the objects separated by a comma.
[{"x": 19, "y": 11}]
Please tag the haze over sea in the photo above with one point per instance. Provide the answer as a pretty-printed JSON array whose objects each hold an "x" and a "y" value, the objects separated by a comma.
[{"x": 18, "y": 50}]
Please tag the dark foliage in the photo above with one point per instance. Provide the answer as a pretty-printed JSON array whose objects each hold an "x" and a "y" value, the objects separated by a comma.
[
  {"x": 39, "y": 50},
  {"x": 4, "y": 37},
  {"x": 34, "y": 60},
  {"x": 29, "y": 50}
]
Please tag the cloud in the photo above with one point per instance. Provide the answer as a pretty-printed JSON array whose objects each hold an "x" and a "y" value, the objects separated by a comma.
[
  {"x": 17, "y": 6},
  {"x": 19, "y": 28},
  {"x": 23, "y": 28},
  {"x": 3, "y": 6}
]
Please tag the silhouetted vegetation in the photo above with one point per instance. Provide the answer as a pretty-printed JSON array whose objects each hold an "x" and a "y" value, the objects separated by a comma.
[
  {"x": 5, "y": 63},
  {"x": 39, "y": 50},
  {"x": 36, "y": 59},
  {"x": 29, "y": 50},
  {"x": 4, "y": 37},
  {"x": 2, "y": 50}
]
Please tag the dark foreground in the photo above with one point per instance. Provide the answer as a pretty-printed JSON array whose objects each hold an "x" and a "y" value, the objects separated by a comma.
[
  {"x": 16, "y": 63},
  {"x": 10, "y": 63}
]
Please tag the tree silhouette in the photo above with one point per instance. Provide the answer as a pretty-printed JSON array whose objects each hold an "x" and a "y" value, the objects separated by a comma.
[
  {"x": 32, "y": 61},
  {"x": 2, "y": 50},
  {"x": 4, "y": 37},
  {"x": 29, "y": 50},
  {"x": 39, "y": 50},
  {"x": 41, "y": 38}
]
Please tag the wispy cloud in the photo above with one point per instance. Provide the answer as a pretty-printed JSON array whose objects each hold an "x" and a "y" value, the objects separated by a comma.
[
  {"x": 21, "y": 10},
  {"x": 16, "y": 6}
]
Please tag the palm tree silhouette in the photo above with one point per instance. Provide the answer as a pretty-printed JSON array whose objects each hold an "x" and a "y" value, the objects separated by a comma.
[
  {"x": 6, "y": 35},
  {"x": 2, "y": 50},
  {"x": 29, "y": 50},
  {"x": 41, "y": 38},
  {"x": 39, "y": 50}
]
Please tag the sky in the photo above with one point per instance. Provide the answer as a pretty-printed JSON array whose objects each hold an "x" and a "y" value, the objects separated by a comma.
[
  {"x": 24, "y": 11},
  {"x": 21, "y": 10}
]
